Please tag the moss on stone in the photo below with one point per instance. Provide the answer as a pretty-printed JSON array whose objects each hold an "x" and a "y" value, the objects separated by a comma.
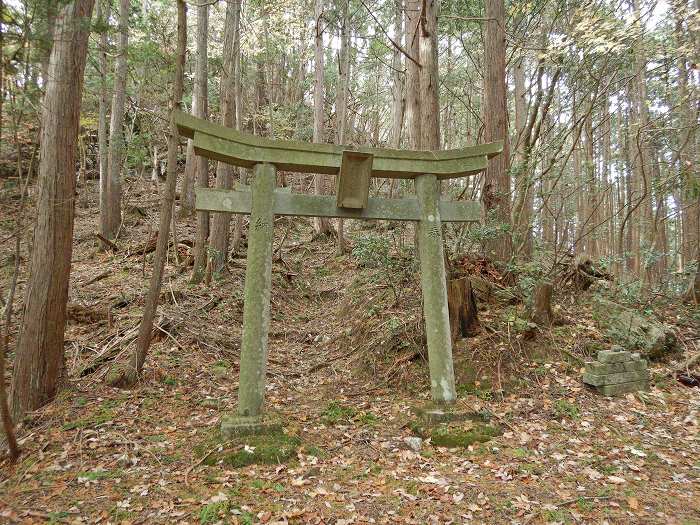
[
  {"x": 455, "y": 437},
  {"x": 456, "y": 434},
  {"x": 273, "y": 448}
]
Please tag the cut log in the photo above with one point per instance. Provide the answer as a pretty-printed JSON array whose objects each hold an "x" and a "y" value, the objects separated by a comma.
[
  {"x": 461, "y": 303},
  {"x": 542, "y": 303}
]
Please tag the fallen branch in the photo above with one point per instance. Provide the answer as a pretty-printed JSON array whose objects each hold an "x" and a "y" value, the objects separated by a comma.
[{"x": 107, "y": 242}]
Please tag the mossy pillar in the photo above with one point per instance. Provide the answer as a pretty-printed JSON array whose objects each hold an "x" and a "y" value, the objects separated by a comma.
[
  {"x": 434, "y": 285},
  {"x": 256, "y": 305}
]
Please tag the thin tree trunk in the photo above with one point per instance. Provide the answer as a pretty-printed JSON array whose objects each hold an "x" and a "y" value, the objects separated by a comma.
[
  {"x": 202, "y": 164},
  {"x": 120, "y": 376},
  {"x": 398, "y": 103},
  {"x": 523, "y": 184},
  {"x": 102, "y": 129},
  {"x": 341, "y": 101},
  {"x": 224, "y": 172},
  {"x": 321, "y": 224},
  {"x": 686, "y": 120},
  {"x": 413, "y": 119},
  {"x": 4, "y": 405},
  {"x": 429, "y": 84},
  {"x": 116, "y": 132},
  {"x": 496, "y": 191},
  {"x": 642, "y": 154},
  {"x": 39, "y": 361}
]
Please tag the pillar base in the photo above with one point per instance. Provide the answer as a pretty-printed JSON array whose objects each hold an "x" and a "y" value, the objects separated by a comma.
[
  {"x": 233, "y": 426},
  {"x": 436, "y": 413}
]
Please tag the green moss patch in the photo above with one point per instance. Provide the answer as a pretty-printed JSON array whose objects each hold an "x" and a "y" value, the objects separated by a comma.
[
  {"x": 457, "y": 434},
  {"x": 261, "y": 449}
]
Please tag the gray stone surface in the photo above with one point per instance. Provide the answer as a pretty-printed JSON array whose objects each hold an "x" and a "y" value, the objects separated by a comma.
[
  {"x": 613, "y": 379},
  {"x": 623, "y": 388},
  {"x": 597, "y": 368},
  {"x": 434, "y": 287},
  {"x": 414, "y": 443},
  {"x": 256, "y": 305},
  {"x": 235, "y": 426},
  {"x": 614, "y": 356}
]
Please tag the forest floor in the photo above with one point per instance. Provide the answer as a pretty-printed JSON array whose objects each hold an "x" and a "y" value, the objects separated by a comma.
[{"x": 566, "y": 455}]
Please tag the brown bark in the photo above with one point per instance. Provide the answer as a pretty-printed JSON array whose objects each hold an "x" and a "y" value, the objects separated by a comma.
[
  {"x": 4, "y": 405},
  {"x": 120, "y": 376},
  {"x": 39, "y": 361},
  {"x": 461, "y": 303},
  {"x": 429, "y": 83},
  {"x": 224, "y": 172},
  {"x": 542, "y": 303},
  {"x": 413, "y": 118},
  {"x": 496, "y": 191},
  {"x": 202, "y": 164}
]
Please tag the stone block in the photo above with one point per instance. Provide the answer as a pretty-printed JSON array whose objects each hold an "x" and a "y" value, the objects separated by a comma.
[
  {"x": 598, "y": 368},
  {"x": 613, "y": 379},
  {"x": 434, "y": 414},
  {"x": 623, "y": 388},
  {"x": 614, "y": 356},
  {"x": 236, "y": 426}
]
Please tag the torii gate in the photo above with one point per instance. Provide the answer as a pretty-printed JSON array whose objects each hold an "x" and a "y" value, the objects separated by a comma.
[{"x": 353, "y": 168}]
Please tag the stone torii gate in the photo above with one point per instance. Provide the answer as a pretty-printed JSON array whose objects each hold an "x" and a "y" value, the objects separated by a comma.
[{"x": 353, "y": 168}]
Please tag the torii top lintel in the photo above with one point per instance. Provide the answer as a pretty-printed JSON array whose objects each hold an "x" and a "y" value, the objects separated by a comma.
[{"x": 218, "y": 142}]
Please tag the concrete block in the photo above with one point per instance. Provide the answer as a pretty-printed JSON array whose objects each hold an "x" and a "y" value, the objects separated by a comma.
[
  {"x": 236, "y": 426},
  {"x": 598, "y": 368},
  {"x": 623, "y": 388},
  {"x": 613, "y": 379},
  {"x": 613, "y": 356}
]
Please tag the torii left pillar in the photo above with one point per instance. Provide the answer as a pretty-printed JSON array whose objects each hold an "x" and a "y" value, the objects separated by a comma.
[{"x": 256, "y": 311}]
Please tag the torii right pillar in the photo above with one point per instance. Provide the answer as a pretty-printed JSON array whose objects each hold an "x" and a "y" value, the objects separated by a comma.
[{"x": 434, "y": 285}]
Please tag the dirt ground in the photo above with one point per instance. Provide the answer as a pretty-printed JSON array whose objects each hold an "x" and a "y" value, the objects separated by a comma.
[{"x": 104, "y": 455}]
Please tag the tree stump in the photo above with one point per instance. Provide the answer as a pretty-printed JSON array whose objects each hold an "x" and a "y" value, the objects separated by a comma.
[
  {"x": 542, "y": 303},
  {"x": 461, "y": 303}
]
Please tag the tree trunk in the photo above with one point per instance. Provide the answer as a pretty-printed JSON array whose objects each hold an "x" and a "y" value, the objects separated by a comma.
[
  {"x": 429, "y": 84},
  {"x": 398, "y": 103},
  {"x": 112, "y": 211},
  {"x": 686, "y": 120},
  {"x": 47, "y": 39},
  {"x": 321, "y": 224},
  {"x": 461, "y": 303},
  {"x": 341, "y": 101},
  {"x": 39, "y": 361},
  {"x": 102, "y": 129},
  {"x": 224, "y": 172},
  {"x": 496, "y": 191},
  {"x": 641, "y": 154},
  {"x": 692, "y": 295},
  {"x": 523, "y": 184},
  {"x": 155, "y": 170},
  {"x": 413, "y": 119},
  {"x": 120, "y": 376},
  {"x": 202, "y": 164},
  {"x": 542, "y": 303}
]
